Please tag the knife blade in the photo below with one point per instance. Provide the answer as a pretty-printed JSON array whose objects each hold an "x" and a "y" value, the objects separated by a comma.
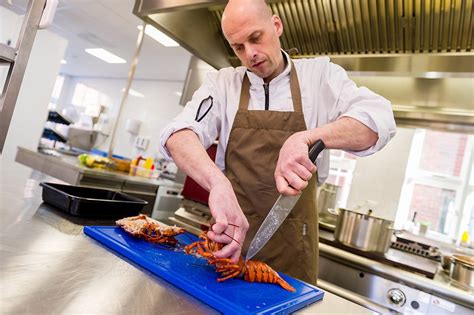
[{"x": 280, "y": 210}]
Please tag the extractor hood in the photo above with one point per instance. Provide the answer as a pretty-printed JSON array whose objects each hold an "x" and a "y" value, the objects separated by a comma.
[{"x": 421, "y": 40}]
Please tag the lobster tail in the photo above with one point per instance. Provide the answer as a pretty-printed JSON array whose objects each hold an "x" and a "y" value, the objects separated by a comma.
[
  {"x": 257, "y": 271},
  {"x": 285, "y": 285}
]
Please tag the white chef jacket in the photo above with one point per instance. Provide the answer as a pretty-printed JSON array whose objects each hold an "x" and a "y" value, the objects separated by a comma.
[{"x": 326, "y": 92}]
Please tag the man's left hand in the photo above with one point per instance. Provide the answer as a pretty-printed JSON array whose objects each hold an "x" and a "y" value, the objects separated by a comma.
[{"x": 294, "y": 168}]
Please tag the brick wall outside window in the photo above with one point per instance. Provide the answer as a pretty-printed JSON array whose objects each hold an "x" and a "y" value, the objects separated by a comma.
[
  {"x": 431, "y": 205},
  {"x": 443, "y": 153}
]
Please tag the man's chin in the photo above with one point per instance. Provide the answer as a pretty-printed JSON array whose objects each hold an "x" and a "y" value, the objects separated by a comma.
[{"x": 261, "y": 74}]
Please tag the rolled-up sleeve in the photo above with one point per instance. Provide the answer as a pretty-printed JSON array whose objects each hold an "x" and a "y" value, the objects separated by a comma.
[
  {"x": 201, "y": 115},
  {"x": 361, "y": 104}
]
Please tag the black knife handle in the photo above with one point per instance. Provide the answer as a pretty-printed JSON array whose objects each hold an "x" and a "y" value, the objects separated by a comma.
[{"x": 315, "y": 149}]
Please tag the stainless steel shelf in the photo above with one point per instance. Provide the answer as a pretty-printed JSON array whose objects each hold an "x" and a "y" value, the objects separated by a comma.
[{"x": 7, "y": 53}]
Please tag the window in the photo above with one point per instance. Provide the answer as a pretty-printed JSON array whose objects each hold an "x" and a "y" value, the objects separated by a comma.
[
  {"x": 58, "y": 86},
  {"x": 89, "y": 99},
  {"x": 342, "y": 165},
  {"x": 436, "y": 187}
]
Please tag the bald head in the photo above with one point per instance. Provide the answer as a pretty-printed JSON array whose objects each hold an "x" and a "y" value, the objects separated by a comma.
[
  {"x": 254, "y": 33},
  {"x": 240, "y": 10}
]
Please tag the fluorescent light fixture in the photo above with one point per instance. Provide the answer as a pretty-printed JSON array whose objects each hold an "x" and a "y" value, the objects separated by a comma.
[
  {"x": 433, "y": 75},
  {"x": 134, "y": 93},
  {"x": 104, "y": 55},
  {"x": 63, "y": 62},
  {"x": 160, "y": 37}
]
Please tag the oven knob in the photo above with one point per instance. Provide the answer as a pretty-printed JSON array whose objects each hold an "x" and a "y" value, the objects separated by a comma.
[{"x": 396, "y": 296}]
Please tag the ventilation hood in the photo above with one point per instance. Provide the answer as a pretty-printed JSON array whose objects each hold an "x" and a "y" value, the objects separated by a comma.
[{"x": 423, "y": 46}]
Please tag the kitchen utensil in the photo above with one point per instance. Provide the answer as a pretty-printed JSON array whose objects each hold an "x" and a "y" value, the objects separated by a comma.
[
  {"x": 280, "y": 210},
  {"x": 327, "y": 195},
  {"x": 446, "y": 261},
  {"x": 462, "y": 270},
  {"x": 363, "y": 231},
  {"x": 91, "y": 202},
  {"x": 195, "y": 277}
]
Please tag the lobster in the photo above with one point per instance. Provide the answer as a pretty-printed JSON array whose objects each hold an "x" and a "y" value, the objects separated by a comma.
[
  {"x": 252, "y": 270},
  {"x": 150, "y": 230}
]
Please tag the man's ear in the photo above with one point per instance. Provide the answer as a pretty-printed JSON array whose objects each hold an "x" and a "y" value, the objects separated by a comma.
[{"x": 277, "y": 24}]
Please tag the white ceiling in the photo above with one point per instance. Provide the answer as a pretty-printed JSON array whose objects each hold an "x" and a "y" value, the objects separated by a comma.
[{"x": 109, "y": 24}]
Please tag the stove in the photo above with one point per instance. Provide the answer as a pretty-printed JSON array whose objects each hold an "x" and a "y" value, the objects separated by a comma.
[
  {"x": 407, "y": 279},
  {"x": 193, "y": 213},
  {"x": 195, "y": 217}
]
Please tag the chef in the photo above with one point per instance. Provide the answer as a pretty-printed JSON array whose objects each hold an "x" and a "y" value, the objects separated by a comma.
[{"x": 266, "y": 114}]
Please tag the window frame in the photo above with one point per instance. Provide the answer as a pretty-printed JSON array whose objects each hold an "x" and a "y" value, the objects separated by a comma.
[{"x": 459, "y": 184}]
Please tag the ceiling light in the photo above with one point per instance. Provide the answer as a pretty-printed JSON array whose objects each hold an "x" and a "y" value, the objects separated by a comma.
[
  {"x": 134, "y": 93},
  {"x": 433, "y": 75},
  {"x": 63, "y": 62},
  {"x": 160, "y": 37},
  {"x": 178, "y": 93},
  {"x": 105, "y": 55}
]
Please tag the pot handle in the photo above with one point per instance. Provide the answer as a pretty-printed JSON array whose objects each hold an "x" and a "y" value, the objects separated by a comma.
[
  {"x": 333, "y": 211},
  {"x": 396, "y": 232}
]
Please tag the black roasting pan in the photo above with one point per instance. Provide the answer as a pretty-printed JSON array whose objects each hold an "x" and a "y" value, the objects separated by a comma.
[{"x": 91, "y": 202}]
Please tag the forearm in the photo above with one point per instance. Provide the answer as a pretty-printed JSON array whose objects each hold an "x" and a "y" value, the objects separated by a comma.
[
  {"x": 345, "y": 133},
  {"x": 191, "y": 157}
]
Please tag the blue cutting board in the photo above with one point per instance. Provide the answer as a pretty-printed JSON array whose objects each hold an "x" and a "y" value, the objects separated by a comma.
[{"x": 195, "y": 277}]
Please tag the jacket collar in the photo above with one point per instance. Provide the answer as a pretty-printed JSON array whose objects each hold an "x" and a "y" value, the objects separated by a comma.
[{"x": 255, "y": 80}]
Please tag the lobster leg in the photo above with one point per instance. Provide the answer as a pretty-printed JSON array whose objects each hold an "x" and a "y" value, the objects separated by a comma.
[
  {"x": 190, "y": 247},
  {"x": 232, "y": 275}
]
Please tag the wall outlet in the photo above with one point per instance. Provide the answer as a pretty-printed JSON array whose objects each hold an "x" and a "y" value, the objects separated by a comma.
[{"x": 142, "y": 142}]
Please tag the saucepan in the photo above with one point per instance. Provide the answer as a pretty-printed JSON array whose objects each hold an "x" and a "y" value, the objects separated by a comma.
[
  {"x": 363, "y": 231},
  {"x": 462, "y": 270}
]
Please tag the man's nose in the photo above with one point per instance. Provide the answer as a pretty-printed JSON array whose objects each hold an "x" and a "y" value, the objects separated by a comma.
[{"x": 251, "y": 52}]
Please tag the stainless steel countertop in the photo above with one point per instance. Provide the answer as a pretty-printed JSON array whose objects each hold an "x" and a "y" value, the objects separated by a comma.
[
  {"x": 49, "y": 266},
  {"x": 68, "y": 169}
]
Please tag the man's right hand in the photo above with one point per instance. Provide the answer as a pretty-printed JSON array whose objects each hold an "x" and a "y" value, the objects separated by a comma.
[{"x": 230, "y": 225}]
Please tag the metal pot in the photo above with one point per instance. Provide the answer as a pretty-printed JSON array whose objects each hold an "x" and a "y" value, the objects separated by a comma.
[
  {"x": 446, "y": 261},
  {"x": 364, "y": 231},
  {"x": 462, "y": 270},
  {"x": 327, "y": 195}
]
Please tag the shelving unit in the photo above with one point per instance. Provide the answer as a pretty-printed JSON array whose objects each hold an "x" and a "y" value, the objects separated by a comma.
[
  {"x": 54, "y": 116},
  {"x": 17, "y": 58},
  {"x": 50, "y": 133}
]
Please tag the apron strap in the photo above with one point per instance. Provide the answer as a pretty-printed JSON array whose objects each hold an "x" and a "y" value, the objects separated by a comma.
[
  {"x": 294, "y": 87},
  {"x": 244, "y": 93}
]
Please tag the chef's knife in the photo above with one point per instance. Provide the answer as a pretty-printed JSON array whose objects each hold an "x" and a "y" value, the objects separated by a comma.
[{"x": 279, "y": 211}]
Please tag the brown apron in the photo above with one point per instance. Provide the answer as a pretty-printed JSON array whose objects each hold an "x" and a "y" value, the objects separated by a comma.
[{"x": 251, "y": 155}]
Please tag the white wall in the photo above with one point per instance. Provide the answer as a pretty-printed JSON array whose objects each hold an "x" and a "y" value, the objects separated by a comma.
[
  {"x": 35, "y": 93},
  {"x": 10, "y": 25},
  {"x": 159, "y": 106},
  {"x": 379, "y": 177}
]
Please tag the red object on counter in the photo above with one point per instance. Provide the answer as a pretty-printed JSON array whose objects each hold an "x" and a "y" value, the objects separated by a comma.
[{"x": 192, "y": 190}]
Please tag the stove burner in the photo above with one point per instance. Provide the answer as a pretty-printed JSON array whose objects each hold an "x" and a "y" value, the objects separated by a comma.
[{"x": 417, "y": 248}]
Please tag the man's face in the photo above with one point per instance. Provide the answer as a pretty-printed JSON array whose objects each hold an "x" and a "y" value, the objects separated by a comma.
[{"x": 256, "y": 43}]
